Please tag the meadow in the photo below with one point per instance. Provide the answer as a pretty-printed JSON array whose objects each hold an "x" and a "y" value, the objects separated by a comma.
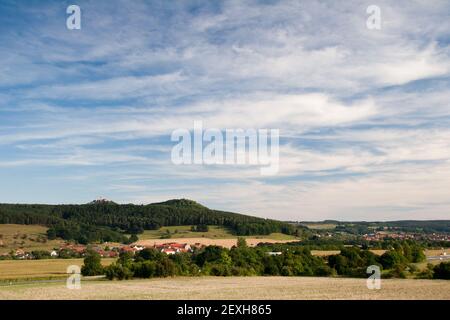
[
  {"x": 320, "y": 226},
  {"x": 186, "y": 288},
  {"x": 27, "y": 237},
  {"x": 214, "y": 232}
]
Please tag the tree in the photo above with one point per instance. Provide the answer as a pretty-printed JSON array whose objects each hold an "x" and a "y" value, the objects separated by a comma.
[
  {"x": 165, "y": 268},
  {"x": 145, "y": 269},
  {"x": 417, "y": 254},
  {"x": 442, "y": 271},
  {"x": 92, "y": 264},
  {"x": 200, "y": 228},
  {"x": 390, "y": 259},
  {"x": 149, "y": 254},
  {"x": 132, "y": 238},
  {"x": 125, "y": 258},
  {"x": 241, "y": 242},
  {"x": 118, "y": 271},
  {"x": 407, "y": 252},
  {"x": 339, "y": 263},
  {"x": 40, "y": 254}
]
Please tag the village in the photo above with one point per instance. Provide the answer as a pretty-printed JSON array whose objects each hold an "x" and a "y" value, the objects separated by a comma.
[
  {"x": 382, "y": 235},
  {"x": 106, "y": 250}
]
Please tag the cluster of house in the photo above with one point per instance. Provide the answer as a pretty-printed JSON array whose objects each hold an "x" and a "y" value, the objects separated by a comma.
[
  {"x": 406, "y": 236},
  {"x": 114, "y": 251},
  {"x": 108, "y": 251},
  {"x": 172, "y": 248}
]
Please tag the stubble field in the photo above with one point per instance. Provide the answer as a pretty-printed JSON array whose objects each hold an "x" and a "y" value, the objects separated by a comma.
[{"x": 181, "y": 288}]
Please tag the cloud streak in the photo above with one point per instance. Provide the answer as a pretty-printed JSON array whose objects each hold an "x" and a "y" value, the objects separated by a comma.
[{"x": 363, "y": 114}]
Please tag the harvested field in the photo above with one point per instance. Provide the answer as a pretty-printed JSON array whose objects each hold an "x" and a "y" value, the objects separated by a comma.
[
  {"x": 379, "y": 252},
  {"x": 227, "y": 243},
  {"x": 324, "y": 253},
  {"x": 437, "y": 252},
  {"x": 39, "y": 269},
  {"x": 234, "y": 288}
]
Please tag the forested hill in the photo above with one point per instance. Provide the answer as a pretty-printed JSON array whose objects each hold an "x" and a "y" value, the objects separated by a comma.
[{"x": 109, "y": 221}]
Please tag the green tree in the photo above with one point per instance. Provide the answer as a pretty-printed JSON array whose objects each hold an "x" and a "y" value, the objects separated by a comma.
[
  {"x": 417, "y": 254},
  {"x": 407, "y": 252},
  {"x": 40, "y": 254},
  {"x": 92, "y": 264},
  {"x": 442, "y": 271},
  {"x": 241, "y": 242},
  {"x": 391, "y": 258},
  {"x": 118, "y": 271},
  {"x": 133, "y": 238}
]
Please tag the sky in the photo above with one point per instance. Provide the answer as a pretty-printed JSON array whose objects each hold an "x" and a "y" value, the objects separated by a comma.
[{"x": 363, "y": 114}]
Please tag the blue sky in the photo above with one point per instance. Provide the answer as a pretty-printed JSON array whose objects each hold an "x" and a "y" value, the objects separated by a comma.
[{"x": 363, "y": 114}]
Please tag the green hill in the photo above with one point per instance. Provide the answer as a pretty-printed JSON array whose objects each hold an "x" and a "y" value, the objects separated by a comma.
[{"x": 109, "y": 221}]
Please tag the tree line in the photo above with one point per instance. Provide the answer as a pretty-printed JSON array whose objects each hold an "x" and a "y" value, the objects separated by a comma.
[{"x": 242, "y": 260}]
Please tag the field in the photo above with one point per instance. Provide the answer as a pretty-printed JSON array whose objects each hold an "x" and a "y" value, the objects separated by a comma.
[
  {"x": 320, "y": 226},
  {"x": 437, "y": 252},
  {"x": 214, "y": 236},
  {"x": 379, "y": 252},
  {"x": 227, "y": 243},
  {"x": 185, "y": 232},
  {"x": 38, "y": 269},
  {"x": 27, "y": 237},
  {"x": 214, "y": 232},
  {"x": 324, "y": 253},
  {"x": 233, "y": 288}
]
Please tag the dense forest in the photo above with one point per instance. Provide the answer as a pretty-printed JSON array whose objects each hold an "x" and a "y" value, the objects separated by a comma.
[{"x": 109, "y": 221}]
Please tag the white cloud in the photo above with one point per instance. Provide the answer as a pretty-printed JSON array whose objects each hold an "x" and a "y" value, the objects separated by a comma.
[{"x": 363, "y": 113}]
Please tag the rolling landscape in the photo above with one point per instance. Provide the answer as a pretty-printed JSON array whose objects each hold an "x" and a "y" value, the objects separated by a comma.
[
  {"x": 39, "y": 242},
  {"x": 225, "y": 150}
]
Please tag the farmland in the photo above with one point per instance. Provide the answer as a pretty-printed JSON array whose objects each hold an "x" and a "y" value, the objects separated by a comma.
[
  {"x": 214, "y": 236},
  {"x": 214, "y": 232},
  {"x": 27, "y": 237},
  {"x": 185, "y": 232},
  {"x": 182, "y": 288},
  {"x": 320, "y": 226},
  {"x": 38, "y": 269},
  {"x": 226, "y": 243}
]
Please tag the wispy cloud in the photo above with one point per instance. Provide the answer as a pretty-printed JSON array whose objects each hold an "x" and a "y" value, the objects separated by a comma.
[{"x": 363, "y": 114}]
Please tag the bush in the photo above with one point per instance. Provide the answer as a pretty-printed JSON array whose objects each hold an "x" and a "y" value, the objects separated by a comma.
[
  {"x": 397, "y": 272},
  {"x": 442, "y": 271},
  {"x": 145, "y": 269},
  {"x": 324, "y": 271},
  {"x": 165, "y": 268},
  {"x": 412, "y": 268},
  {"x": 200, "y": 228},
  {"x": 427, "y": 273},
  {"x": 118, "y": 271},
  {"x": 41, "y": 254}
]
